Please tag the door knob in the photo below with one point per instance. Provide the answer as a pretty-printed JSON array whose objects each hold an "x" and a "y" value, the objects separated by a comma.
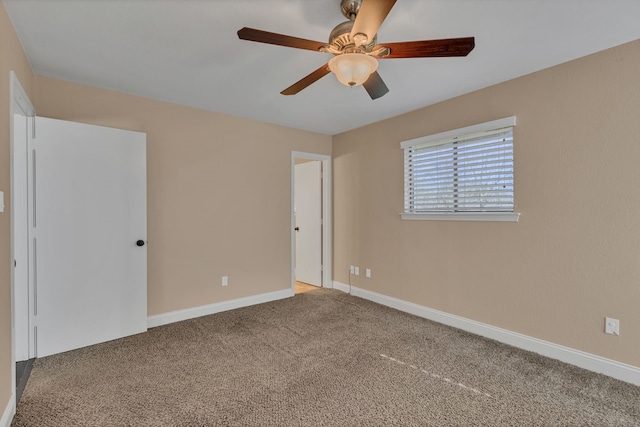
[
  {"x": 140, "y": 243},
  {"x": 297, "y": 229}
]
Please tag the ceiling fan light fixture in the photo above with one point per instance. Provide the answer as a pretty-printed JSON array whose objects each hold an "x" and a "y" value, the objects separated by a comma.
[
  {"x": 355, "y": 49},
  {"x": 353, "y": 69}
]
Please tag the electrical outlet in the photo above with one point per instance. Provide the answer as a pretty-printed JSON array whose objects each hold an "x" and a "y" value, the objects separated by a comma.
[
  {"x": 225, "y": 280},
  {"x": 367, "y": 273},
  {"x": 611, "y": 326},
  {"x": 352, "y": 269},
  {"x": 357, "y": 270}
]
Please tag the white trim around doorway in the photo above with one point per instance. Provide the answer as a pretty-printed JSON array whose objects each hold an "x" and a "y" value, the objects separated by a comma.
[{"x": 19, "y": 100}]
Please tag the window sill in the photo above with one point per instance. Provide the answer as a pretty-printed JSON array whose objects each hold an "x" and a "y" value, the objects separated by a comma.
[{"x": 463, "y": 216}]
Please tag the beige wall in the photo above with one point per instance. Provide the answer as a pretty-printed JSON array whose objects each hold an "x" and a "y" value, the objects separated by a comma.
[
  {"x": 218, "y": 192},
  {"x": 11, "y": 58},
  {"x": 573, "y": 258}
]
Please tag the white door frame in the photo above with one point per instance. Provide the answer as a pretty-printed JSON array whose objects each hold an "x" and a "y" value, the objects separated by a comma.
[
  {"x": 327, "y": 227},
  {"x": 19, "y": 101}
]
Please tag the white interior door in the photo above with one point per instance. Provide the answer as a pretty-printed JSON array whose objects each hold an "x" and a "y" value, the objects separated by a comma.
[
  {"x": 90, "y": 211},
  {"x": 308, "y": 222}
]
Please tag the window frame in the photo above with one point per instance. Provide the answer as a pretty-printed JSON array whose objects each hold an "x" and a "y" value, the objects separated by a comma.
[{"x": 459, "y": 216}]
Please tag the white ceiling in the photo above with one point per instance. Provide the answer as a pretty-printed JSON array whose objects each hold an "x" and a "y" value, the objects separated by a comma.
[{"x": 187, "y": 51}]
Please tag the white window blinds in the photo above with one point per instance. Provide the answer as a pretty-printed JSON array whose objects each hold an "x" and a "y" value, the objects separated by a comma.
[{"x": 471, "y": 172}]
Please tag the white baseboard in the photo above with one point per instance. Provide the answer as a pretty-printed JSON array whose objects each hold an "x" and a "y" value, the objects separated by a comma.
[
  {"x": 204, "y": 310},
  {"x": 341, "y": 287},
  {"x": 9, "y": 412},
  {"x": 591, "y": 362}
]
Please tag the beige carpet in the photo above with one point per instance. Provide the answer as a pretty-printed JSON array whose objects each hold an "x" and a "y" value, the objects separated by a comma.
[{"x": 322, "y": 358}]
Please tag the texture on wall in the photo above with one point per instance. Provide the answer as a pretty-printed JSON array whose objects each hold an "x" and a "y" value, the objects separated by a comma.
[
  {"x": 218, "y": 197},
  {"x": 571, "y": 260}
]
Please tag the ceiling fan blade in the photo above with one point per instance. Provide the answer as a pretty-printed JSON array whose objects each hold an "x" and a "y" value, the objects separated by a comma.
[
  {"x": 430, "y": 48},
  {"x": 375, "y": 86},
  {"x": 307, "y": 81},
  {"x": 370, "y": 17},
  {"x": 260, "y": 36}
]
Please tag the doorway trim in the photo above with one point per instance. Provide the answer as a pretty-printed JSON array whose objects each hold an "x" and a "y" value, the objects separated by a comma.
[
  {"x": 19, "y": 100},
  {"x": 327, "y": 224}
]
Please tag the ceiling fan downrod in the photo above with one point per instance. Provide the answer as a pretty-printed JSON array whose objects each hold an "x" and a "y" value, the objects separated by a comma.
[{"x": 350, "y": 8}]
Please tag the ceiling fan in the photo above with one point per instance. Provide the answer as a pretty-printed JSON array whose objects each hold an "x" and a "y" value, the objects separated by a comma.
[{"x": 354, "y": 46}]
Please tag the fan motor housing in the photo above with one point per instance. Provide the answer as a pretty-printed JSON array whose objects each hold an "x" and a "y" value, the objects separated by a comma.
[{"x": 340, "y": 37}]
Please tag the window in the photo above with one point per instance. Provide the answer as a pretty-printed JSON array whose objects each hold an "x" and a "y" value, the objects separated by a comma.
[{"x": 465, "y": 174}]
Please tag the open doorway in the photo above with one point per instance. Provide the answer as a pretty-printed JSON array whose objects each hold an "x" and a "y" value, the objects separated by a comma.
[
  {"x": 307, "y": 207},
  {"x": 311, "y": 221}
]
